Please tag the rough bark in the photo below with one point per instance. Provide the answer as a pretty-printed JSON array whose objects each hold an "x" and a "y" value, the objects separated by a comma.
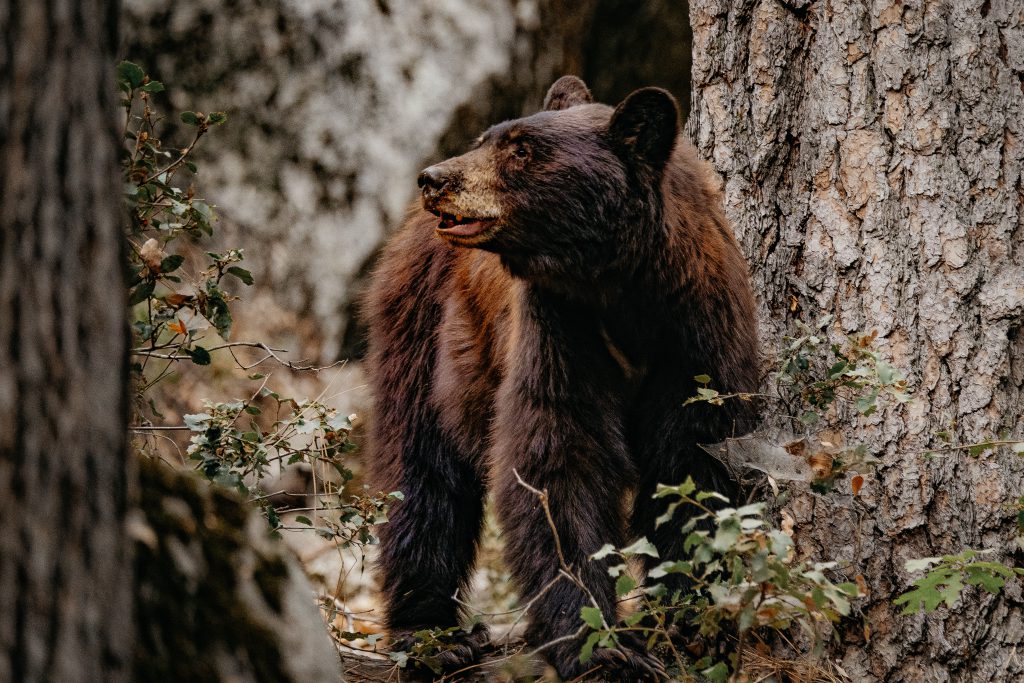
[
  {"x": 872, "y": 157},
  {"x": 65, "y": 566}
]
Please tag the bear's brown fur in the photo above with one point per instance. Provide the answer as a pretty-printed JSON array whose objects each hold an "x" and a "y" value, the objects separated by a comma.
[{"x": 544, "y": 315}]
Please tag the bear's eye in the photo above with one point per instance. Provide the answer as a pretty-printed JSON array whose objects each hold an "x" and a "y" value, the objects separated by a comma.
[{"x": 520, "y": 150}]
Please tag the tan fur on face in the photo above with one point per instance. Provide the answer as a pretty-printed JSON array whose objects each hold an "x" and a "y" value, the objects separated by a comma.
[{"x": 477, "y": 194}]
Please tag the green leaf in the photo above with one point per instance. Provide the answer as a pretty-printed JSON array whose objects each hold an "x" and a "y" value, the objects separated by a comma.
[
  {"x": 887, "y": 374},
  {"x": 704, "y": 495},
  {"x": 592, "y": 617},
  {"x": 727, "y": 534},
  {"x": 242, "y": 274},
  {"x": 703, "y": 379},
  {"x": 190, "y": 118},
  {"x": 641, "y": 547},
  {"x": 587, "y": 651},
  {"x": 719, "y": 673},
  {"x": 920, "y": 564},
  {"x": 217, "y": 118},
  {"x": 217, "y": 312},
  {"x": 197, "y": 422},
  {"x": 986, "y": 579},
  {"x": 199, "y": 355},
  {"x": 130, "y": 74},
  {"x": 624, "y": 584},
  {"x": 153, "y": 86},
  {"x": 141, "y": 293},
  {"x": 940, "y": 585},
  {"x": 837, "y": 369},
  {"x": 302, "y": 519},
  {"x": 866, "y": 404},
  {"x": 171, "y": 263},
  {"x": 810, "y": 418}
]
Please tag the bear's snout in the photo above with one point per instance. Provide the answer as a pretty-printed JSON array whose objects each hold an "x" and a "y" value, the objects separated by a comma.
[{"x": 434, "y": 181}]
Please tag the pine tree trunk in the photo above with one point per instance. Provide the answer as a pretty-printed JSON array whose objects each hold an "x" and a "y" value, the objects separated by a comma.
[
  {"x": 872, "y": 158},
  {"x": 65, "y": 565}
]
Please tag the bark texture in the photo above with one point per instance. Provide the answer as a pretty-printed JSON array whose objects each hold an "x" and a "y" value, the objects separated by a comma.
[
  {"x": 65, "y": 567},
  {"x": 872, "y": 157}
]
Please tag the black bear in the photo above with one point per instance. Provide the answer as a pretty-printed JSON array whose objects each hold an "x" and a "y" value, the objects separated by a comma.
[{"x": 544, "y": 315}]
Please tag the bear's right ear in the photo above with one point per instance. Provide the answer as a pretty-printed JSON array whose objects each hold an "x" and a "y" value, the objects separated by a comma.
[
  {"x": 567, "y": 91},
  {"x": 645, "y": 125}
]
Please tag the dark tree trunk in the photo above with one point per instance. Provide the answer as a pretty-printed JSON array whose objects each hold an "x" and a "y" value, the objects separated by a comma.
[
  {"x": 65, "y": 565},
  {"x": 872, "y": 160}
]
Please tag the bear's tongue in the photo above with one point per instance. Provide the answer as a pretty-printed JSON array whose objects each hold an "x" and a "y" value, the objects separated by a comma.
[{"x": 462, "y": 227}]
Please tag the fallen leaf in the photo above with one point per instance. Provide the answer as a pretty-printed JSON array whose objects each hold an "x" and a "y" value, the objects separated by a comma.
[
  {"x": 856, "y": 483},
  {"x": 797, "y": 447}
]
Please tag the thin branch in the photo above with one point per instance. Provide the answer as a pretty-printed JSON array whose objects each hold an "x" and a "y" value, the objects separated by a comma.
[
  {"x": 565, "y": 568},
  {"x": 271, "y": 353},
  {"x": 174, "y": 164}
]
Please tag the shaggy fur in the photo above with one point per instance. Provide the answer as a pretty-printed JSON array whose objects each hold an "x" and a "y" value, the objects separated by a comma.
[{"x": 545, "y": 313}]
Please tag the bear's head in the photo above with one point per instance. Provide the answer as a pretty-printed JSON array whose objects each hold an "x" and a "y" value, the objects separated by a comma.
[{"x": 567, "y": 192}]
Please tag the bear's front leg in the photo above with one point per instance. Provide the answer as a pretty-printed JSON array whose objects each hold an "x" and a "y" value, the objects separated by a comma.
[{"x": 558, "y": 429}]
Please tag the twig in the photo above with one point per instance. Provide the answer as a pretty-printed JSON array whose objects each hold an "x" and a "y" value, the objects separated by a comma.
[
  {"x": 565, "y": 568},
  {"x": 174, "y": 164},
  {"x": 270, "y": 353},
  {"x": 159, "y": 429}
]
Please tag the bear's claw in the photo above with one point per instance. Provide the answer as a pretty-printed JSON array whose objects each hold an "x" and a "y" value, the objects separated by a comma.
[
  {"x": 463, "y": 648},
  {"x": 627, "y": 664}
]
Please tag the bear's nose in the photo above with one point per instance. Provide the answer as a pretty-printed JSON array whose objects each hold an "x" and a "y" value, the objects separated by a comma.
[{"x": 432, "y": 180}]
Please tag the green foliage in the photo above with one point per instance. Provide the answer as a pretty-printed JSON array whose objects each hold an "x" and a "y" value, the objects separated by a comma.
[
  {"x": 744, "y": 579},
  {"x": 856, "y": 372},
  {"x": 708, "y": 395},
  {"x": 947, "y": 576},
  {"x": 181, "y": 298}
]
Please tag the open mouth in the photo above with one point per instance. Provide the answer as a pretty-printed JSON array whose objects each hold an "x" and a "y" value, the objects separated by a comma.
[{"x": 463, "y": 226}]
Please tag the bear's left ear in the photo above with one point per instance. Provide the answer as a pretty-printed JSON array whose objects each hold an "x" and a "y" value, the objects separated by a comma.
[
  {"x": 646, "y": 124},
  {"x": 567, "y": 91}
]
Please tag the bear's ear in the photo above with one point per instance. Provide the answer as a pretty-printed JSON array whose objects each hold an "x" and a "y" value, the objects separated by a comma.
[
  {"x": 645, "y": 125},
  {"x": 566, "y": 92}
]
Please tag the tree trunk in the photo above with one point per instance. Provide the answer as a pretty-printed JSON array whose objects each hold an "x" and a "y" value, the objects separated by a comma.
[
  {"x": 872, "y": 158},
  {"x": 65, "y": 565}
]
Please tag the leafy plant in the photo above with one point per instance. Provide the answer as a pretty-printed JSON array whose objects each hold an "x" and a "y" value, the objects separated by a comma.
[
  {"x": 182, "y": 314},
  {"x": 743, "y": 575},
  {"x": 947, "y": 577},
  {"x": 856, "y": 372}
]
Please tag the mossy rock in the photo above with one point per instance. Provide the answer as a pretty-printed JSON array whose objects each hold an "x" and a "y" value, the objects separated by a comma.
[{"x": 218, "y": 599}]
